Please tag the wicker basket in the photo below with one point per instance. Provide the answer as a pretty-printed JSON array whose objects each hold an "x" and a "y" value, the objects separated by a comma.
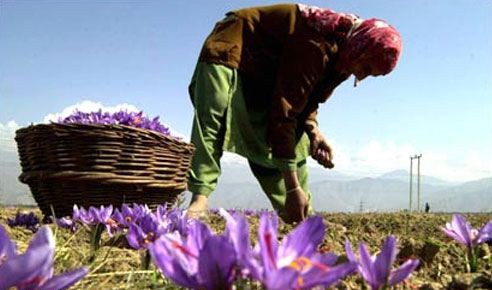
[{"x": 92, "y": 165}]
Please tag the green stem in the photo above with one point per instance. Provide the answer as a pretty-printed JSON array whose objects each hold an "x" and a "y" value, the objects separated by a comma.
[
  {"x": 145, "y": 259},
  {"x": 96, "y": 240},
  {"x": 472, "y": 259}
]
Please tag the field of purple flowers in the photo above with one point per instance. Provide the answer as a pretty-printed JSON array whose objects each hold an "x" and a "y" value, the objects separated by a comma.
[{"x": 138, "y": 248}]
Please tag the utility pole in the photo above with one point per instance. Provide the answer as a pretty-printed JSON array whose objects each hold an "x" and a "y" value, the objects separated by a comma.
[
  {"x": 418, "y": 182},
  {"x": 411, "y": 181}
]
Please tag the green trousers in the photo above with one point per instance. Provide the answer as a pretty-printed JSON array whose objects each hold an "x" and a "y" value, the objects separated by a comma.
[{"x": 222, "y": 123}]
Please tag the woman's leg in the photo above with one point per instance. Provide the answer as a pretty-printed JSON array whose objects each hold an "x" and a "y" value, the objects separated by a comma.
[
  {"x": 272, "y": 183},
  {"x": 210, "y": 92}
]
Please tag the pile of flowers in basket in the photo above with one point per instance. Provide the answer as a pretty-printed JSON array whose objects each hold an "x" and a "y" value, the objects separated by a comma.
[{"x": 133, "y": 119}]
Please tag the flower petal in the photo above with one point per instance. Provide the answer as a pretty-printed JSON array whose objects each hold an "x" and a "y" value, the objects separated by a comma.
[
  {"x": 327, "y": 278},
  {"x": 485, "y": 233},
  {"x": 8, "y": 248},
  {"x": 43, "y": 237},
  {"x": 385, "y": 259},
  {"x": 285, "y": 278},
  {"x": 350, "y": 253},
  {"x": 452, "y": 234},
  {"x": 134, "y": 236},
  {"x": 304, "y": 239},
  {"x": 170, "y": 266},
  {"x": 366, "y": 266},
  {"x": 267, "y": 241},
  {"x": 237, "y": 230},
  {"x": 64, "y": 280},
  {"x": 24, "y": 268},
  {"x": 198, "y": 234},
  {"x": 216, "y": 263},
  {"x": 403, "y": 272},
  {"x": 462, "y": 228}
]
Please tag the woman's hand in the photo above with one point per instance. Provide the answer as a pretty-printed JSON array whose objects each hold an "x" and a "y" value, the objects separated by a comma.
[
  {"x": 321, "y": 150},
  {"x": 296, "y": 202},
  {"x": 296, "y": 205}
]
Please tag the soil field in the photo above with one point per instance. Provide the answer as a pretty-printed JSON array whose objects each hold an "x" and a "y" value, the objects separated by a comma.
[{"x": 419, "y": 236}]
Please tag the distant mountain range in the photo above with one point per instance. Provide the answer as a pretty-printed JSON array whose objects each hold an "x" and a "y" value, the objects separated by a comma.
[{"x": 332, "y": 191}]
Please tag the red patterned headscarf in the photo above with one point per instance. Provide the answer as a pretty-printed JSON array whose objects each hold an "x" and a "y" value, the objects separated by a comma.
[
  {"x": 327, "y": 21},
  {"x": 370, "y": 40},
  {"x": 375, "y": 41}
]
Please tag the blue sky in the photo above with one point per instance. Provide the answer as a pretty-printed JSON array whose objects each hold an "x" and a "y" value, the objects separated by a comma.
[{"x": 438, "y": 101}]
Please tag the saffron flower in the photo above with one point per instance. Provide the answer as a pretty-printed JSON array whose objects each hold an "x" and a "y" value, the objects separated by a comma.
[
  {"x": 237, "y": 231},
  {"x": 200, "y": 260},
  {"x": 34, "y": 268},
  {"x": 129, "y": 215},
  {"x": 96, "y": 217},
  {"x": 66, "y": 223},
  {"x": 460, "y": 230},
  {"x": 146, "y": 231},
  {"x": 295, "y": 263},
  {"x": 173, "y": 219},
  {"x": 376, "y": 269},
  {"x": 30, "y": 221}
]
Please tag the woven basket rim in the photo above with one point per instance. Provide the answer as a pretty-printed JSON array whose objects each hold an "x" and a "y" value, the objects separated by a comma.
[{"x": 26, "y": 129}]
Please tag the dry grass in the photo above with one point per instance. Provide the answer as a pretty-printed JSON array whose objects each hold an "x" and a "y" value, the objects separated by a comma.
[{"x": 115, "y": 266}]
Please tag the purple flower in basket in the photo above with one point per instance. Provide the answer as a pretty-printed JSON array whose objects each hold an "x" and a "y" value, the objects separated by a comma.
[
  {"x": 34, "y": 268},
  {"x": 376, "y": 270},
  {"x": 133, "y": 119},
  {"x": 30, "y": 221}
]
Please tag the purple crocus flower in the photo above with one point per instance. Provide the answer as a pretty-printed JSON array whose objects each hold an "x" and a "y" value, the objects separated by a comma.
[
  {"x": 66, "y": 223},
  {"x": 237, "y": 231},
  {"x": 295, "y": 262},
  {"x": 376, "y": 270},
  {"x": 460, "y": 230},
  {"x": 34, "y": 268},
  {"x": 83, "y": 215},
  {"x": 201, "y": 260},
  {"x": 141, "y": 234},
  {"x": 102, "y": 214},
  {"x": 173, "y": 219},
  {"x": 95, "y": 216},
  {"x": 130, "y": 214},
  {"x": 30, "y": 221}
]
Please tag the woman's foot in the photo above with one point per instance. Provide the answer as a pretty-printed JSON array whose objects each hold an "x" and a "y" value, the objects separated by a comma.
[{"x": 198, "y": 206}]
